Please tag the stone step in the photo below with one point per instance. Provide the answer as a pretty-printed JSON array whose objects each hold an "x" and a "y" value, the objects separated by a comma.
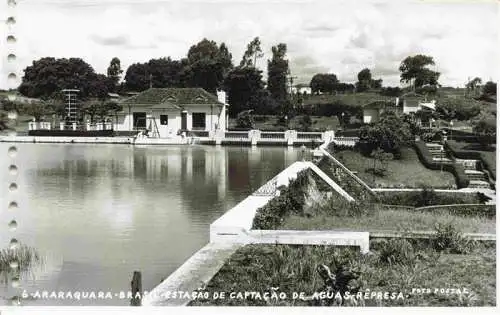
[
  {"x": 472, "y": 172},
  {"x": 478, "y": 184},
  {"x": 444, "y": 160},
  {"x": 474, "y": 177}
]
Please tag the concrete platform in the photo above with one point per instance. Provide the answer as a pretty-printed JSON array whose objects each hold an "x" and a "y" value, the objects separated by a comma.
[
  {"x": 33, "y": 139},
  {"x": 193, "y": 275}
]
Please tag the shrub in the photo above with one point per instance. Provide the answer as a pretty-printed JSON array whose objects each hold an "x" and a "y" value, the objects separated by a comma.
[
  {"x": 425, "y": 158},
  {"x": 396, "y": 251},
  {"x": 290, "y": 201},
  {"x": 466, "y": 210},
  {"x": 25, "y": 256},
  {"x": 417, "y": 198},
  {"x": 305, "y": 123},
  {"x": 245, "y": 120},
  {"x": 338, "y": 206},
  {"x": 448, "y": 239}
]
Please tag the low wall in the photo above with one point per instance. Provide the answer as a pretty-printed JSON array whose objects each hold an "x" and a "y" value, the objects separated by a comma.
[{"x": 31, "y": 139}]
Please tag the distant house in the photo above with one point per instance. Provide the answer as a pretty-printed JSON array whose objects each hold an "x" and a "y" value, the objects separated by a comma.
[
  {"x": 413, "y": 103},
  {"x": 302, "y": 89},
  {"x": 165, "y": 112},
  {"x": 373, "y": 110}
]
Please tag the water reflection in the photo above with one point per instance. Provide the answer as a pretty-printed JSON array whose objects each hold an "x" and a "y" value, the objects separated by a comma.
[{"x": 109, "y": 210}]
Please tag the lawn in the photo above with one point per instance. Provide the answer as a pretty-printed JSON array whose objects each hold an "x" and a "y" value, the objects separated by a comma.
[
  {"x": 353, "y": 99},
  {"x": 405, "y": 173},
  {"x": 258, "y": 268},
  {"x": 390, "y": 220}
]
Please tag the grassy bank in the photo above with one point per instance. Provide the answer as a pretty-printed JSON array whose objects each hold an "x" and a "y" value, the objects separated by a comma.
[
  {"x": 258, "y": 268},
  {"x": 390, "y": 219},
  {"x": 405, "y": 173}
]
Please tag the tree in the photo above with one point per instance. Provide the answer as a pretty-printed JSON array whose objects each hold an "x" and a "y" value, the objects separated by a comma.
[
  {"x": 305, "y": 123},
  {"x": 324, "y": 83},
  {"x": 391, "y": 91},
  {"x": 342, "y": 87},
  {"x": 376, "y": 84},
  {"x": 473, "y": 85},
  {"x": 383, "y": 158},
  {"x": 207, "y": 65},
  {"x": 485, "y": 126},
  {"x": 101, "y": 110},
  {"x": 49, "y": 75},
  {"x": 137, "y": 77},
  {"x": 414, "y": 69},
  {"x": 458, "y": 108},
  {"x": 490, "y": 88},
  {"x": 165, "y": 72},
  {"x": 38, "y": 110},
  {"x": 243, "y": 84},
  {"x": 389, "y": 134},
  {"x": 159, "y": 73},
  {"x": 253, "y": 52},
  {"x": 114, "y": 71},
  {"x": 277, "y": 71},
  {"x": 364, "y": 80}
]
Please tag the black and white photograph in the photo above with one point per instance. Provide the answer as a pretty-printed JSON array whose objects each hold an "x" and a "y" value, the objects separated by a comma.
[{"x": 295, "y": 153}]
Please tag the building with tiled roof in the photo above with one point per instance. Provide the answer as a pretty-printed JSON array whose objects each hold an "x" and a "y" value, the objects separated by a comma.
[{"x": 165, "y": 112}]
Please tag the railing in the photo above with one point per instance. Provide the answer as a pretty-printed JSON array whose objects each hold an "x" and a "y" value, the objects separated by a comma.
[
  {"x": 45, "y": 125},
  {"x": 272, "y": 135},
  {"x": 236, "y": 134},
  {"x": 347, "y": 141},
  {"x": 348, "y": 171},
  {"x": 198, "y": 133},
  {"x": 310, "y": 135}
]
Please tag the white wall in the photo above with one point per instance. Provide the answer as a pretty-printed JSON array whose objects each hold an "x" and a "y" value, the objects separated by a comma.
[
  {"x": 370, "y": 115},
  {"x": 174, "y": 118}
]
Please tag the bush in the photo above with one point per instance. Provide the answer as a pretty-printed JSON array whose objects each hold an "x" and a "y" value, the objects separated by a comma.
[
  {"x": 305, "y": 123},
  {"x": 245, "y": 120},
  {"x": 448, "y": 239},
  {"x": 417, "y": 198},
  {"x": 457, "y": 170},
  {"x": 466, "y": 210},
  {"x": 396, "y": 251},
  {"x": 290, "y": 201}
]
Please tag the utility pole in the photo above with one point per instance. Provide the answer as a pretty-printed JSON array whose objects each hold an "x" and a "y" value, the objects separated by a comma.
[
  {"x": 150, "y": 81},
  {"x": 291, "y": 78}
]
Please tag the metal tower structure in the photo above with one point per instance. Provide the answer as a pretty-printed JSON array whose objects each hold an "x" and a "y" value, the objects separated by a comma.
[{"x": 72, "y": 107}]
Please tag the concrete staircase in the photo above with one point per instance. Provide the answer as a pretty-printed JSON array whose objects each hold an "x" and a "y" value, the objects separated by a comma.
[
  {"x": 438, "y": 153},
  {"x": 477, "y": 177}
]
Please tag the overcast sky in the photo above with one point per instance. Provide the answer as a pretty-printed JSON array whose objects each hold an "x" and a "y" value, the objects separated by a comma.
[{"x": 322, "y": 36}]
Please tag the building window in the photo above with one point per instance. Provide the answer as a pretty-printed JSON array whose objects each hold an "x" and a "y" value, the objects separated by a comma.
[
  {"x": 199, "y": 120},
  {"x": 139, "y": 120},
  {"x": 163, "y": 120}
]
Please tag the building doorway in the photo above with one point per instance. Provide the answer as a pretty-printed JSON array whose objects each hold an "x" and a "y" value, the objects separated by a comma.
[{"x": 139, "y": 120}]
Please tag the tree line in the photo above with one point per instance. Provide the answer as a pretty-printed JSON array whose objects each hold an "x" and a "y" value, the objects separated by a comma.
[{"x": 209, "y": 65}]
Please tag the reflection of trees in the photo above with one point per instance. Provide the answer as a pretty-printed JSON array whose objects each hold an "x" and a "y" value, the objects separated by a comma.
[{"x": 238, "y": 171}]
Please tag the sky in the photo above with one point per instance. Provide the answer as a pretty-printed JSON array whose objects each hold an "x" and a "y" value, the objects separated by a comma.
[{"x": 340, "y": 37}]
